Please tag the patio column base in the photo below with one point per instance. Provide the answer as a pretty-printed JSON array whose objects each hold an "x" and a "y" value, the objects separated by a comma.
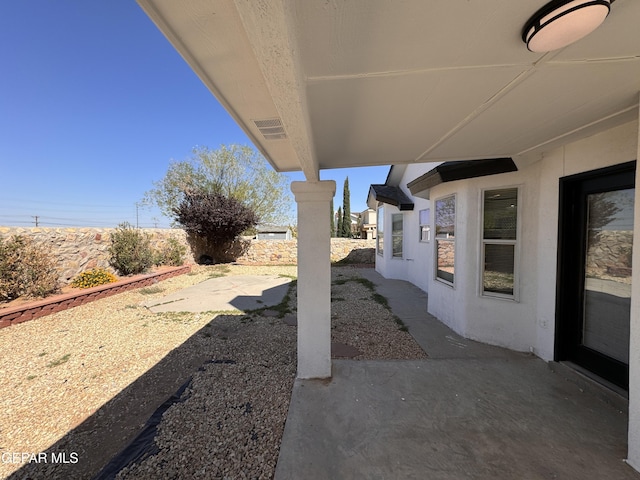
[{"x": 314, "y": 277}]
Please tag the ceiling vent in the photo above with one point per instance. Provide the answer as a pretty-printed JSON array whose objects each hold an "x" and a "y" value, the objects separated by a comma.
[{"x": 271, "y": 129}]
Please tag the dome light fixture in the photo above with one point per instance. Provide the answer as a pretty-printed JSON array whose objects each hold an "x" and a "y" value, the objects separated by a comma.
[{"x": 562, "y": 22}]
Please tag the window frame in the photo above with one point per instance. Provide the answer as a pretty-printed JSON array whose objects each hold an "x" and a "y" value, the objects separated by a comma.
[
  {"x": 515, "y": 296},
  {"x": 394, "y": 235},
  {"x": 437, "y": 240},
  {"x": 380, "y": 230}
]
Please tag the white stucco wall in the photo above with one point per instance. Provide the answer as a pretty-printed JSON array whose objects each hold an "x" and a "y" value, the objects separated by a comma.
[
  {"x": 608, "y": 148},
  {"x": 417, "y": 262},
  {"x": 499, "y": 321},
  {"x": 527, "y": 324},
  {"x": 419, "y": 258},
  {"x": 387, "y": 265},
  {"x": 444, "y": 299},
  {"x": 633, "y": 456}
]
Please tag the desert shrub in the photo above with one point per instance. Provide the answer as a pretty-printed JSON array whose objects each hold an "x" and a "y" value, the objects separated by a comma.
[
  {"x": 216, "y": 220},
  {"x": 93, "y": 278},
  {"x": 130, "y": 251},
  {"x": 172, "y": 252},
  {"x": 26, "y": 269},
  {"x": 10, "y": 252}
]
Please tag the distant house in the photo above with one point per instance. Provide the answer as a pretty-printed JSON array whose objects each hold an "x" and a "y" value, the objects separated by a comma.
[
  {"x": 272, "y": 232},
  {"x": 367, "y": 224},
  {"x": 355, "y": 222}
]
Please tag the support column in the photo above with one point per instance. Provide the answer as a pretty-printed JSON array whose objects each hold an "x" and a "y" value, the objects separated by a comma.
[
  {"x": 633, "y": 454},
  {"x": 314, "y": 277}
]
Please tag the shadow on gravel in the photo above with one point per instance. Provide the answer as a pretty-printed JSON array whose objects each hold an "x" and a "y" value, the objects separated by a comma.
[{"x": 85, "y": 450}]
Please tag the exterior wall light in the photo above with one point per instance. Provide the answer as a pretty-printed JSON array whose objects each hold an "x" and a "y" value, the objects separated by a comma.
[{"x": 562, "y": 22}]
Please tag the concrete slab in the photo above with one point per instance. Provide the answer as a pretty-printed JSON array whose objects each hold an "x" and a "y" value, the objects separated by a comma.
[
  {"x": 242, "y": 292},
  {"x": 469, "y": 411},
  {"x": 450, "y": 419}
]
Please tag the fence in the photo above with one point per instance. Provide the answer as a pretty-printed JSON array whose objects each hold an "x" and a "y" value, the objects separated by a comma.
[{"x": 80, "y": 249}]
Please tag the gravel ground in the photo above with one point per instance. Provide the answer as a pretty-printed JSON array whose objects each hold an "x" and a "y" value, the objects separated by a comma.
[{"x": 83, "y": 382}]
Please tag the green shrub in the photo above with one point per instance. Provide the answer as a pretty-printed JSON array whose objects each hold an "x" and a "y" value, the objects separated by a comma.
[
  {"x": 10, "y": 252},
  {"x": 172, "y": 252},
  {"x": 93, "y": 278},
  {"x": 130, "y": 251},
  {"x": 26, "y": 269}
]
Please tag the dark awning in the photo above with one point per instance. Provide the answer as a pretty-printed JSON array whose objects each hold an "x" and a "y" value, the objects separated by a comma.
[
  {"x": 451, "y": 171},
  {"x": 391, "y": 196}
]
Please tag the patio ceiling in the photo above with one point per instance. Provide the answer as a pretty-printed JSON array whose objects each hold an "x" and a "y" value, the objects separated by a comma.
[{"x": 320, "y": 84}]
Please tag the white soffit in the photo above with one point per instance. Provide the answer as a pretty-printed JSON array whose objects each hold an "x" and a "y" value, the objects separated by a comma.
[
  {"x": 374, "y": 82},
  {"x": 212, "y": 39},
  {"x": 365, "y": 37},
  {"x": 527, "y": 125},
  {"x": 409, "y": 112}
]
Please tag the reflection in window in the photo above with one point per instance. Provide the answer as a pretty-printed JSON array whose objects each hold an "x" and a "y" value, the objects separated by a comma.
[
  {"x": 425, "y": 225},
  {"x": 500, "y": 222},
  {"x": 396, "y": 234},
  {"x": 608, "y": 272},
  {"x": 446, "y": 256},
  {"x": 498, "y": 268},
  {"x": 445, "y": 223}
]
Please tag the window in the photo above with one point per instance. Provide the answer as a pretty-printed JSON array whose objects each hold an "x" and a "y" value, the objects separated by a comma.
[
  {"x": 445, "y": 238},
  {"x": 396, "y": 235},
  {"x": 499, "y": 241},
  {"x": 425, "y": 225},
  {"x": 380, "y": 234}
]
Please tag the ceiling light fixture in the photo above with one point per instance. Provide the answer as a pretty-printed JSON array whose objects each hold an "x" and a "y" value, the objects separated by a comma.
[{"x": 562, "y": 22}]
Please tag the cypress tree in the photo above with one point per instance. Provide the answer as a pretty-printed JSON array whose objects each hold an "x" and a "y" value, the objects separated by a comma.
[
  {"x": 332, "y": 219},
  {"x": 346, "y": 212},
  {"x": 339, "y": 233}
]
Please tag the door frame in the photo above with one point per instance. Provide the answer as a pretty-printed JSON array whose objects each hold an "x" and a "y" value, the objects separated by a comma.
[{"x": 572, "y": 220}]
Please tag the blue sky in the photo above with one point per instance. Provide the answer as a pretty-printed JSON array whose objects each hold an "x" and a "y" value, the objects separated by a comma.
[{"x": 94, "y": 105}]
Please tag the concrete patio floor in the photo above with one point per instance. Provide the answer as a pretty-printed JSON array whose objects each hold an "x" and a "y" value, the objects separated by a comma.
[
  {"x": 239, "y": 292},
  {"x": 470, "y": 411}
]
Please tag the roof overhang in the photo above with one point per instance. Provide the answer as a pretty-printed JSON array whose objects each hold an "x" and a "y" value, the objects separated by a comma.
[
  {"x": 320, "y": 85},
  {"x": 390, "y": 195},
  {"x": 452, "y": 171}
]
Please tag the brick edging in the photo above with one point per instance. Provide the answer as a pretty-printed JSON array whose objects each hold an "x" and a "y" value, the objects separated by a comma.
[{"x": 13, "y": 315}]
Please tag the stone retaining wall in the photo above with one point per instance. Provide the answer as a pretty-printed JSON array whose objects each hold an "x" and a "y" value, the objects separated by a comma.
[
  {"x": 285, "y": 252},
  {"x": 80, "y": 249},
  {"x": 609, "y": 255}
]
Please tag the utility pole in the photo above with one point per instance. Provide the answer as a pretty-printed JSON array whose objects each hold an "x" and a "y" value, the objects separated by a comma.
[
  {"x": 36, "y": 217},
  {"x": 137, "y": 215}
]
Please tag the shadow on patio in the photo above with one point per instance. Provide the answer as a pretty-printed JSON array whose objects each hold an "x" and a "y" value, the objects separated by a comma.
[{"x": 470, "y": 411}]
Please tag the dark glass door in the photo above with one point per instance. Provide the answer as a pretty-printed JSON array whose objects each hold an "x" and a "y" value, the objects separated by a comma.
[{"x": 594, "y": 281}]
